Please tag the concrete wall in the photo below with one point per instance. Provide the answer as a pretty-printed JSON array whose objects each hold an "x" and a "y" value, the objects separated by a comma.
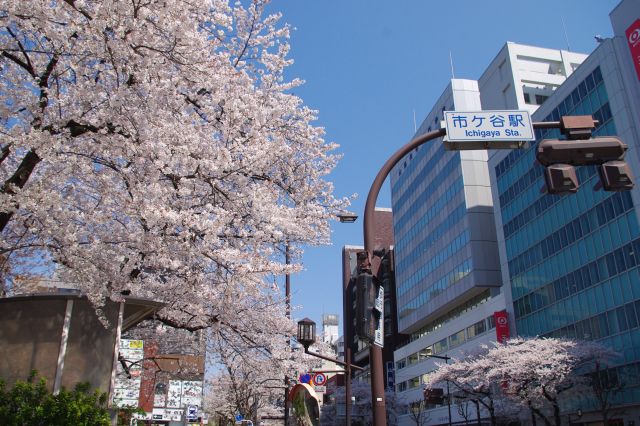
[{"x": 30, "y": 339}]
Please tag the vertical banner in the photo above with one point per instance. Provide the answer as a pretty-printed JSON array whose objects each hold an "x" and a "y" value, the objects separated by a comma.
[
  {"x": 633, "y": 38},
  {"x": 502, "y": 326}
]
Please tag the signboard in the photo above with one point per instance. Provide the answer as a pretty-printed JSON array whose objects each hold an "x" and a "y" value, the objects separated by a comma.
[
  {"x": 633, "y": 38},
  {"x": 175, "y": 391},
  {"x": 166, "y": 414},
  {"x": 182, "y": 393},
  {"x": 126, "y": 391},
  {"x": 191, "y": 393},
  {"x": 487, "y": 129},
  {"x": 192, "y": 412},
  {"x": 502, "y": 326},
  {"x": 379, "y": 333}
]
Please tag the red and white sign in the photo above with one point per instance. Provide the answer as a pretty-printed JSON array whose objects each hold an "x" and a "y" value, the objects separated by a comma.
[
  {"x": 633, "y": 38},
  {"x": 502, "y": 326},
  {"x": 319, "y": 379}
]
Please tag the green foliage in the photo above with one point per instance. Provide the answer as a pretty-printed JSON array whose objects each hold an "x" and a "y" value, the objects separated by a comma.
[{"x": 30, "y": 404}]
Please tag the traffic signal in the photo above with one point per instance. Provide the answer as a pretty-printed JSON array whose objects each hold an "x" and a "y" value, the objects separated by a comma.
[
  {"x": 367, "y": 315},
  {"x": 616, "y": 176},
  {"x": 561, "y": 179},
  {"x": 582, "y": 152},
  {"x": 433, "y": 396},
  {"x": 560, "y": 156}
]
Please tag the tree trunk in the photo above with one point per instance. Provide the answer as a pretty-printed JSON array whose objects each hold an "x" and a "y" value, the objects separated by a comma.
[{"x": 19, "y": 179}]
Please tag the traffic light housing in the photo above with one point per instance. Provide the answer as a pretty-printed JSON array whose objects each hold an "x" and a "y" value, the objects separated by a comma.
[
  {"x": 561, "y": 179},
  {"x": 580, "y": 152},
  {"x": 560, "y": 156},
  {"x": 367, "y": 314},
  {"x": 433, "y": 396},
  {"x": 616, "y": 176}
]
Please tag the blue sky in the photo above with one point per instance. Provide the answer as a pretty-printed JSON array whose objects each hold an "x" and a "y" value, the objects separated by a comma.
[{"x": 370, "y": 64}]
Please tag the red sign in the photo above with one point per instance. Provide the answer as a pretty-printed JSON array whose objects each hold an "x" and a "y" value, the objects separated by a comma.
[
  {"x": 502, "y": 326},
  {"x": 319, "y": 379},
  {"x": 633, "y": 38}
]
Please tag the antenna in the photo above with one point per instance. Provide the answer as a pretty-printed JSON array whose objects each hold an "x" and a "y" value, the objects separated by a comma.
[
  {"x": 566, "y": 36},
  {"x": 415, "y": 128},
  {"x": 451, "y": 62}
]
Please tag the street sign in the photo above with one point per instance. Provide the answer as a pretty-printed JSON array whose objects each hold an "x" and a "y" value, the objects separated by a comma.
[
  {"x": 305, "y": 378},
  {"x": 192, "y": 411},
  {"x": 505, "y": 129},
  {"x": 379, "y": 332},
  {"x": 319, "y": 379}
]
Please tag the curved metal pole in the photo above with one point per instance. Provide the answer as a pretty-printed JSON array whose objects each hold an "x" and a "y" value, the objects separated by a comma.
[
  {"x": 375, "y": 351},
  {"x": 370, "y": 205}
]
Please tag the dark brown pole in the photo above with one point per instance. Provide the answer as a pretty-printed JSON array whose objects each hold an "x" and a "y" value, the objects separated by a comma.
[
  {"x": 375, "y": 351},
  {"x": 287, "y": 295}
]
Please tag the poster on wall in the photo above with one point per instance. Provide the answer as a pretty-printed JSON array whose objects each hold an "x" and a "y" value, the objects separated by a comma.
[
  {"x": 191, "y": 393},
  {"x": 126, "y": 392},
  {"x": 174, "y": 395}
]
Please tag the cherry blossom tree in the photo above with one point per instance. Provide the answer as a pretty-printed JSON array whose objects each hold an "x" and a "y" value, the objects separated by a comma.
[
  {"x": 156, "y": 149},
  {"x": 469, "y": 380},
  {"x": 532, "y": 375}
]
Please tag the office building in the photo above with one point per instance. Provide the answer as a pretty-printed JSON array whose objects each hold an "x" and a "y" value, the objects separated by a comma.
[
  {"x": 449, "y": 282},
  {"x": 571, "y": 262}
]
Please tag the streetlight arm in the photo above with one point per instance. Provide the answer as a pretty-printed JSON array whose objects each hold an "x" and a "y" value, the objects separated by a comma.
[
  {"x": 370, "y": 205},
  {"x": 306, "y": 351}
]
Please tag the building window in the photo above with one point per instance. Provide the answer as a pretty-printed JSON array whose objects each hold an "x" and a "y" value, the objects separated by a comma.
[
  {"x": 540, "y": 99},
  {"x": 440, "y": 346},
  {"x": 527, "y": 98},
  {"x": 456, "y": 339},
  {"x": 476, "y": 329}
]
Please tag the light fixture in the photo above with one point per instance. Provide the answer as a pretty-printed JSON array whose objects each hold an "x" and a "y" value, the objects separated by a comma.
[{"x": 306, "y": 332}]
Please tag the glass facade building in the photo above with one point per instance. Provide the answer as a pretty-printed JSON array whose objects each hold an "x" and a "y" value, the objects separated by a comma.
[{"x": 573, "y": 262}]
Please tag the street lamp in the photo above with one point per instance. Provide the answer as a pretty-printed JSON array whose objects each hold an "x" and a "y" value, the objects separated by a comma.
[
  {"x": 446, "y": 361},
  {"x": 306, "y": 333},
  {"x": 347, "y": 217},
  {"x": 306, "y": 337}
]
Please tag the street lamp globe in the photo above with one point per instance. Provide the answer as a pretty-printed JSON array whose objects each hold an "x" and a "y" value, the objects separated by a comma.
[{"x": 306, "y": 332}]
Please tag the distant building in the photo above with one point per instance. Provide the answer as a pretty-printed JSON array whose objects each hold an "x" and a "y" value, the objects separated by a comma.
[
  {"x": 356, "y": 349},
  {"x": 330, "y": 329}
]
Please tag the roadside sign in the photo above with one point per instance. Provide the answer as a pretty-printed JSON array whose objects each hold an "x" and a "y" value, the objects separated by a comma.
[
  {"x": 379, "y": 332},
  {"x": 305, "y": 378},
  {"x": 192, "y": 411},
  {"x": 504, "y": 129},
  {"x": 319, "y": 379}
]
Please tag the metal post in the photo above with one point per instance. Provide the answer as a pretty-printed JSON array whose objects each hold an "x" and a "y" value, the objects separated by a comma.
[
  {"x": 446, "y": 361},
  {"x": 287, "y": 295},
  {"x": 347, "y": 385},
  {"x": 375, "y": 351}
]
